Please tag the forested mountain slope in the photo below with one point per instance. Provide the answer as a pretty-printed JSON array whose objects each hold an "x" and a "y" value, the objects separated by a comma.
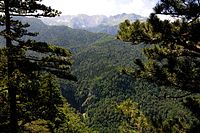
[
  {"x": 101, "y": 87},
  {"x": 62, "y": 35}
]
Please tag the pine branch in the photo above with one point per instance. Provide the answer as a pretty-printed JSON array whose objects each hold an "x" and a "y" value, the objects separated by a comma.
[
  {"x": 31, "y": 15},
  {"x": 171, "y": 14},
  {"x": 190, "y": 53},
  {"x": 181, "y": 96},
  {"x": 1, "y": 90}
]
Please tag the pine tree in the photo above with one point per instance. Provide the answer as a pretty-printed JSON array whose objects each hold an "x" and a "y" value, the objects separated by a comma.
[
  {"x": 19, "y": 60},
  {"x": 134, "y": 120},
  {"x": 174, "y": 46}
]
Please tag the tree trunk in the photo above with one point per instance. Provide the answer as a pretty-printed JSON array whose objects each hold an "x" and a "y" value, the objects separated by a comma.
[{"x": 11, "y": 89}]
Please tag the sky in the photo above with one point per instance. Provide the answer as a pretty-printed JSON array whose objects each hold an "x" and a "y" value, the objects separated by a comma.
[{"x": 102, "y": 7}]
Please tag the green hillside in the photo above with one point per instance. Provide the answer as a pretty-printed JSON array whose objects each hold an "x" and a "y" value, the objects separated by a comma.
[
  {"x": 98, "y": 63},
  {"x": 63, "y": 35},
  {"x": 101, "y": 83},
  {"x": 60, "y": 35}
]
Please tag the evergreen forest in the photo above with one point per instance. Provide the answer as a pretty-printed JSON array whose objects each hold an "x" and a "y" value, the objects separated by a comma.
[{"x": 144, "y": 79}]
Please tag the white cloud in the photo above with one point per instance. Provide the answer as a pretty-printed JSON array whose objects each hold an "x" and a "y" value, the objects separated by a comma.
[{"x": 106, "y": 7}]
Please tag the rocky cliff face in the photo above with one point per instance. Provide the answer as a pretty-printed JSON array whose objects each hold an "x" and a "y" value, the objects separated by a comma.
[
  {"x": 95, "y": 23},
  {"x": 86, "y": 21}
]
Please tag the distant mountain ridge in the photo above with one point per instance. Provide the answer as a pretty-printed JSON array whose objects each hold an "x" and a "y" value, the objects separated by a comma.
[
  {"x": 86, "y": 21},
  {"x": 95, "y": 23}
]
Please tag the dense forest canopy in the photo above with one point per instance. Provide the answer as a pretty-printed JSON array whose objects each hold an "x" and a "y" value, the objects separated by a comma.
[{"x": 151, "y": 86}]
